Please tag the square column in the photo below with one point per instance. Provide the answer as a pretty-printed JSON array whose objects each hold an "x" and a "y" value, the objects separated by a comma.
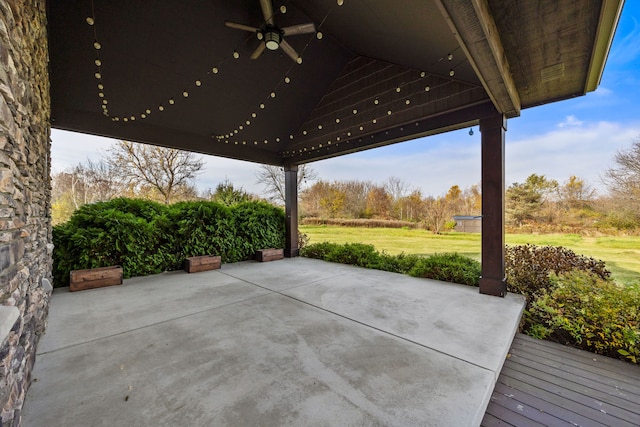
[
  {"x": 291, "y": 211},
  {"x": 492, "y": 281}
]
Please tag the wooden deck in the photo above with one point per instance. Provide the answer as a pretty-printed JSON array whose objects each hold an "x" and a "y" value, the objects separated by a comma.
[{"x": 548, "y": 384}]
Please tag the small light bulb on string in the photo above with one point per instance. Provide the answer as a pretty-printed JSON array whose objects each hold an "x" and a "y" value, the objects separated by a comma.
[
  {"x": 262, "y": 106},
  {"x": 236, "y": 55},
  {"x": 198, "y": 83},
  {"x": 287, "y": 80},
  {"x": 215, "y": 70},
  {"x": 283, "y": 9},
  {"x": 450, "y": 56},
  {"x": 452, "y": 73},
  {"x": 319, "y": 35},
  {"x": 171, "y": 101},
  {"x": 97, "y": 45},
  {"x": 185, "y": 94},
  {"x": 98, "y": 62},
  {"x": 90, "y": 20},
  {"x": 299, "y": 60},
  {"x": 340, "y": 2}
]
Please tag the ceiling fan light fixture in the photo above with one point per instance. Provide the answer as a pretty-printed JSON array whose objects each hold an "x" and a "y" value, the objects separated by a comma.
[{"x": 272, "y": 39}]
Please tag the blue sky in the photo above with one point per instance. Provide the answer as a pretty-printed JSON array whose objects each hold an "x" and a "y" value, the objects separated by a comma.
[{"x": 573, "y": 137}]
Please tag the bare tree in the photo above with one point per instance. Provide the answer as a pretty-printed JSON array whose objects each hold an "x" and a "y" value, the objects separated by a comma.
[
  {"x": 272, "y": 177},
  {"x": 623, "y": 180},
  {"x": 437, "y": 213},
  {"x": 396, "y": 188},
  {"x": 84, "y": 183},
  {"x": 163, "y": 173}
]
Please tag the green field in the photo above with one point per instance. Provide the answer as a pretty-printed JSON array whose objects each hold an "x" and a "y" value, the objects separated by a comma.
[{"x": 621, "y": 254}]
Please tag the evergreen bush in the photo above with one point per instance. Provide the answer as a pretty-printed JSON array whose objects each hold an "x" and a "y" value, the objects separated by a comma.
[
  {"x": 448, "y": 267},
  {"x": 145, "y": 237}
]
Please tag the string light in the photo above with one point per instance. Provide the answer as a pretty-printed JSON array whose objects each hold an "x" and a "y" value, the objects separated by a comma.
[{"x": 272, "y": 95}]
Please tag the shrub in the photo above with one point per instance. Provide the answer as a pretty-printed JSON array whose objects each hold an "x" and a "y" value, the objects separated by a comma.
[
  {"x": 145, "y": 237},
  {"x": 451, "y": 267},
  {"x": 100, "y": 235},
  {"x": 447, "y": 267},
  {"x": 201, "y": 228},
  {"x": 584, "y": 310},
  {"x": 259, "y": 225},
  {"x": 527, "y": 267}
]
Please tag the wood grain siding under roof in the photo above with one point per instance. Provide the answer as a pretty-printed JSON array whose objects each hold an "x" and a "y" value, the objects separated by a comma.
[{"x": 549, "y": 46}]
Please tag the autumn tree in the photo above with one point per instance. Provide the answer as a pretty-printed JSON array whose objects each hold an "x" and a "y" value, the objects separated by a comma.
[
  {"x": 472, "y": 201},
  {"x": 272, "y": 178},
  {"x": 165, "y": 174},
  {"x": 411, "y": 207},
  {"x": 437, "y": 213},
  {"x": 575, "y": 193},
  {"x": 378, "y": 202}
]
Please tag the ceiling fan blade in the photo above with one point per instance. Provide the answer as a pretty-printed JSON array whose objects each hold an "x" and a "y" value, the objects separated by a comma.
[
  {"x": 289, "y": 50},
  {"x": 240, "y": 26},
  {"x": 267, "y": 11},
  {"x": 299, "y": 29},
  {"x": 256, "y": 53}
]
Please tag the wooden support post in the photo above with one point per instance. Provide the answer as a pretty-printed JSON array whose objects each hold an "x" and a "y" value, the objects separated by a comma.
[
  {"x": 291, "y": 249},
  {"x": 493, "y": 280}
]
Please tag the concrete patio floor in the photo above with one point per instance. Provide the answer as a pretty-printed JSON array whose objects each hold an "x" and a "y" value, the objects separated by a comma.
[{"x": 297, "y": 342}]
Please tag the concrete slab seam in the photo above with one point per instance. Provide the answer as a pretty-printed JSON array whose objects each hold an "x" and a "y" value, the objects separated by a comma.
[
  {"x": 156, "y": 323},
  {"x": 366, "y": 325}
]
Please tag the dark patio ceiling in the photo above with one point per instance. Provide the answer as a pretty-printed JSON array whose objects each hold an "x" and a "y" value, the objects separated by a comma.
[{"x": 382, "y": 72}]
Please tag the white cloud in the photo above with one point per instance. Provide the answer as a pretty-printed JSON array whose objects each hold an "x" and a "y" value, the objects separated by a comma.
[
  {"x": 570, "y": 121},
  {"x": 431, "y": 164},
  {"x": 585, "y": 151}
]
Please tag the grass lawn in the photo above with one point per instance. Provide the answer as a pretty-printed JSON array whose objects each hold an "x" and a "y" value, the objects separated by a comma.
[{"x": 621, "y": 254}]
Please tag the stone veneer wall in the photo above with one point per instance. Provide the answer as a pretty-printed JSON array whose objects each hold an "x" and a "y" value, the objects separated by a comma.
[{"x": 25, "y": 188}]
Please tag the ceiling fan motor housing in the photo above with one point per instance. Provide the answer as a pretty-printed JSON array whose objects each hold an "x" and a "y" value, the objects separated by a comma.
[{"x": 272, "y": 37}]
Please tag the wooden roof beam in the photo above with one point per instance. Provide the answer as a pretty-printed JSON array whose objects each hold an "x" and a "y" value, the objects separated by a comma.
[
  {"x": 474, "y": 27},
  {"x": 609, "y": 17}
]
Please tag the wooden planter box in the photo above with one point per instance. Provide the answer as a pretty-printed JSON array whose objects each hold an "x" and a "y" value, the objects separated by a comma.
[
  {"x": 95, "y": 278},
  {"x": 196, "y": 264},
  {"x": 264, "y": 255}
]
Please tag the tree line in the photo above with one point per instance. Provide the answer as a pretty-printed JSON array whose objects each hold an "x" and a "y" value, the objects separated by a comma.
[{"x": 168, "y": 175}]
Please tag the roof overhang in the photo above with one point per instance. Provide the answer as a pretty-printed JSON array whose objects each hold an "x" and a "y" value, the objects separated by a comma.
[{"x": 382, "y": 72}]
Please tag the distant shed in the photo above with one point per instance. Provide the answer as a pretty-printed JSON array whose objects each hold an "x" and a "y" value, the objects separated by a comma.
[{"x": 468, "y": 223}]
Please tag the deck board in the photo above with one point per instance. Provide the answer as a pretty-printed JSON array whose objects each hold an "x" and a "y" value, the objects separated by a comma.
[{"x": 544, "y": 383}]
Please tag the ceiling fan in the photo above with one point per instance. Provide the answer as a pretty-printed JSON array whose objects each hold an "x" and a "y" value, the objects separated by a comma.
[{"x": 272, "y": 36}]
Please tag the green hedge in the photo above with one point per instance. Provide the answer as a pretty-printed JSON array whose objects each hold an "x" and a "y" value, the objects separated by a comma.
[
  {"x": 145, "y": 237},
  {"x": 450, "y": 267}
]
